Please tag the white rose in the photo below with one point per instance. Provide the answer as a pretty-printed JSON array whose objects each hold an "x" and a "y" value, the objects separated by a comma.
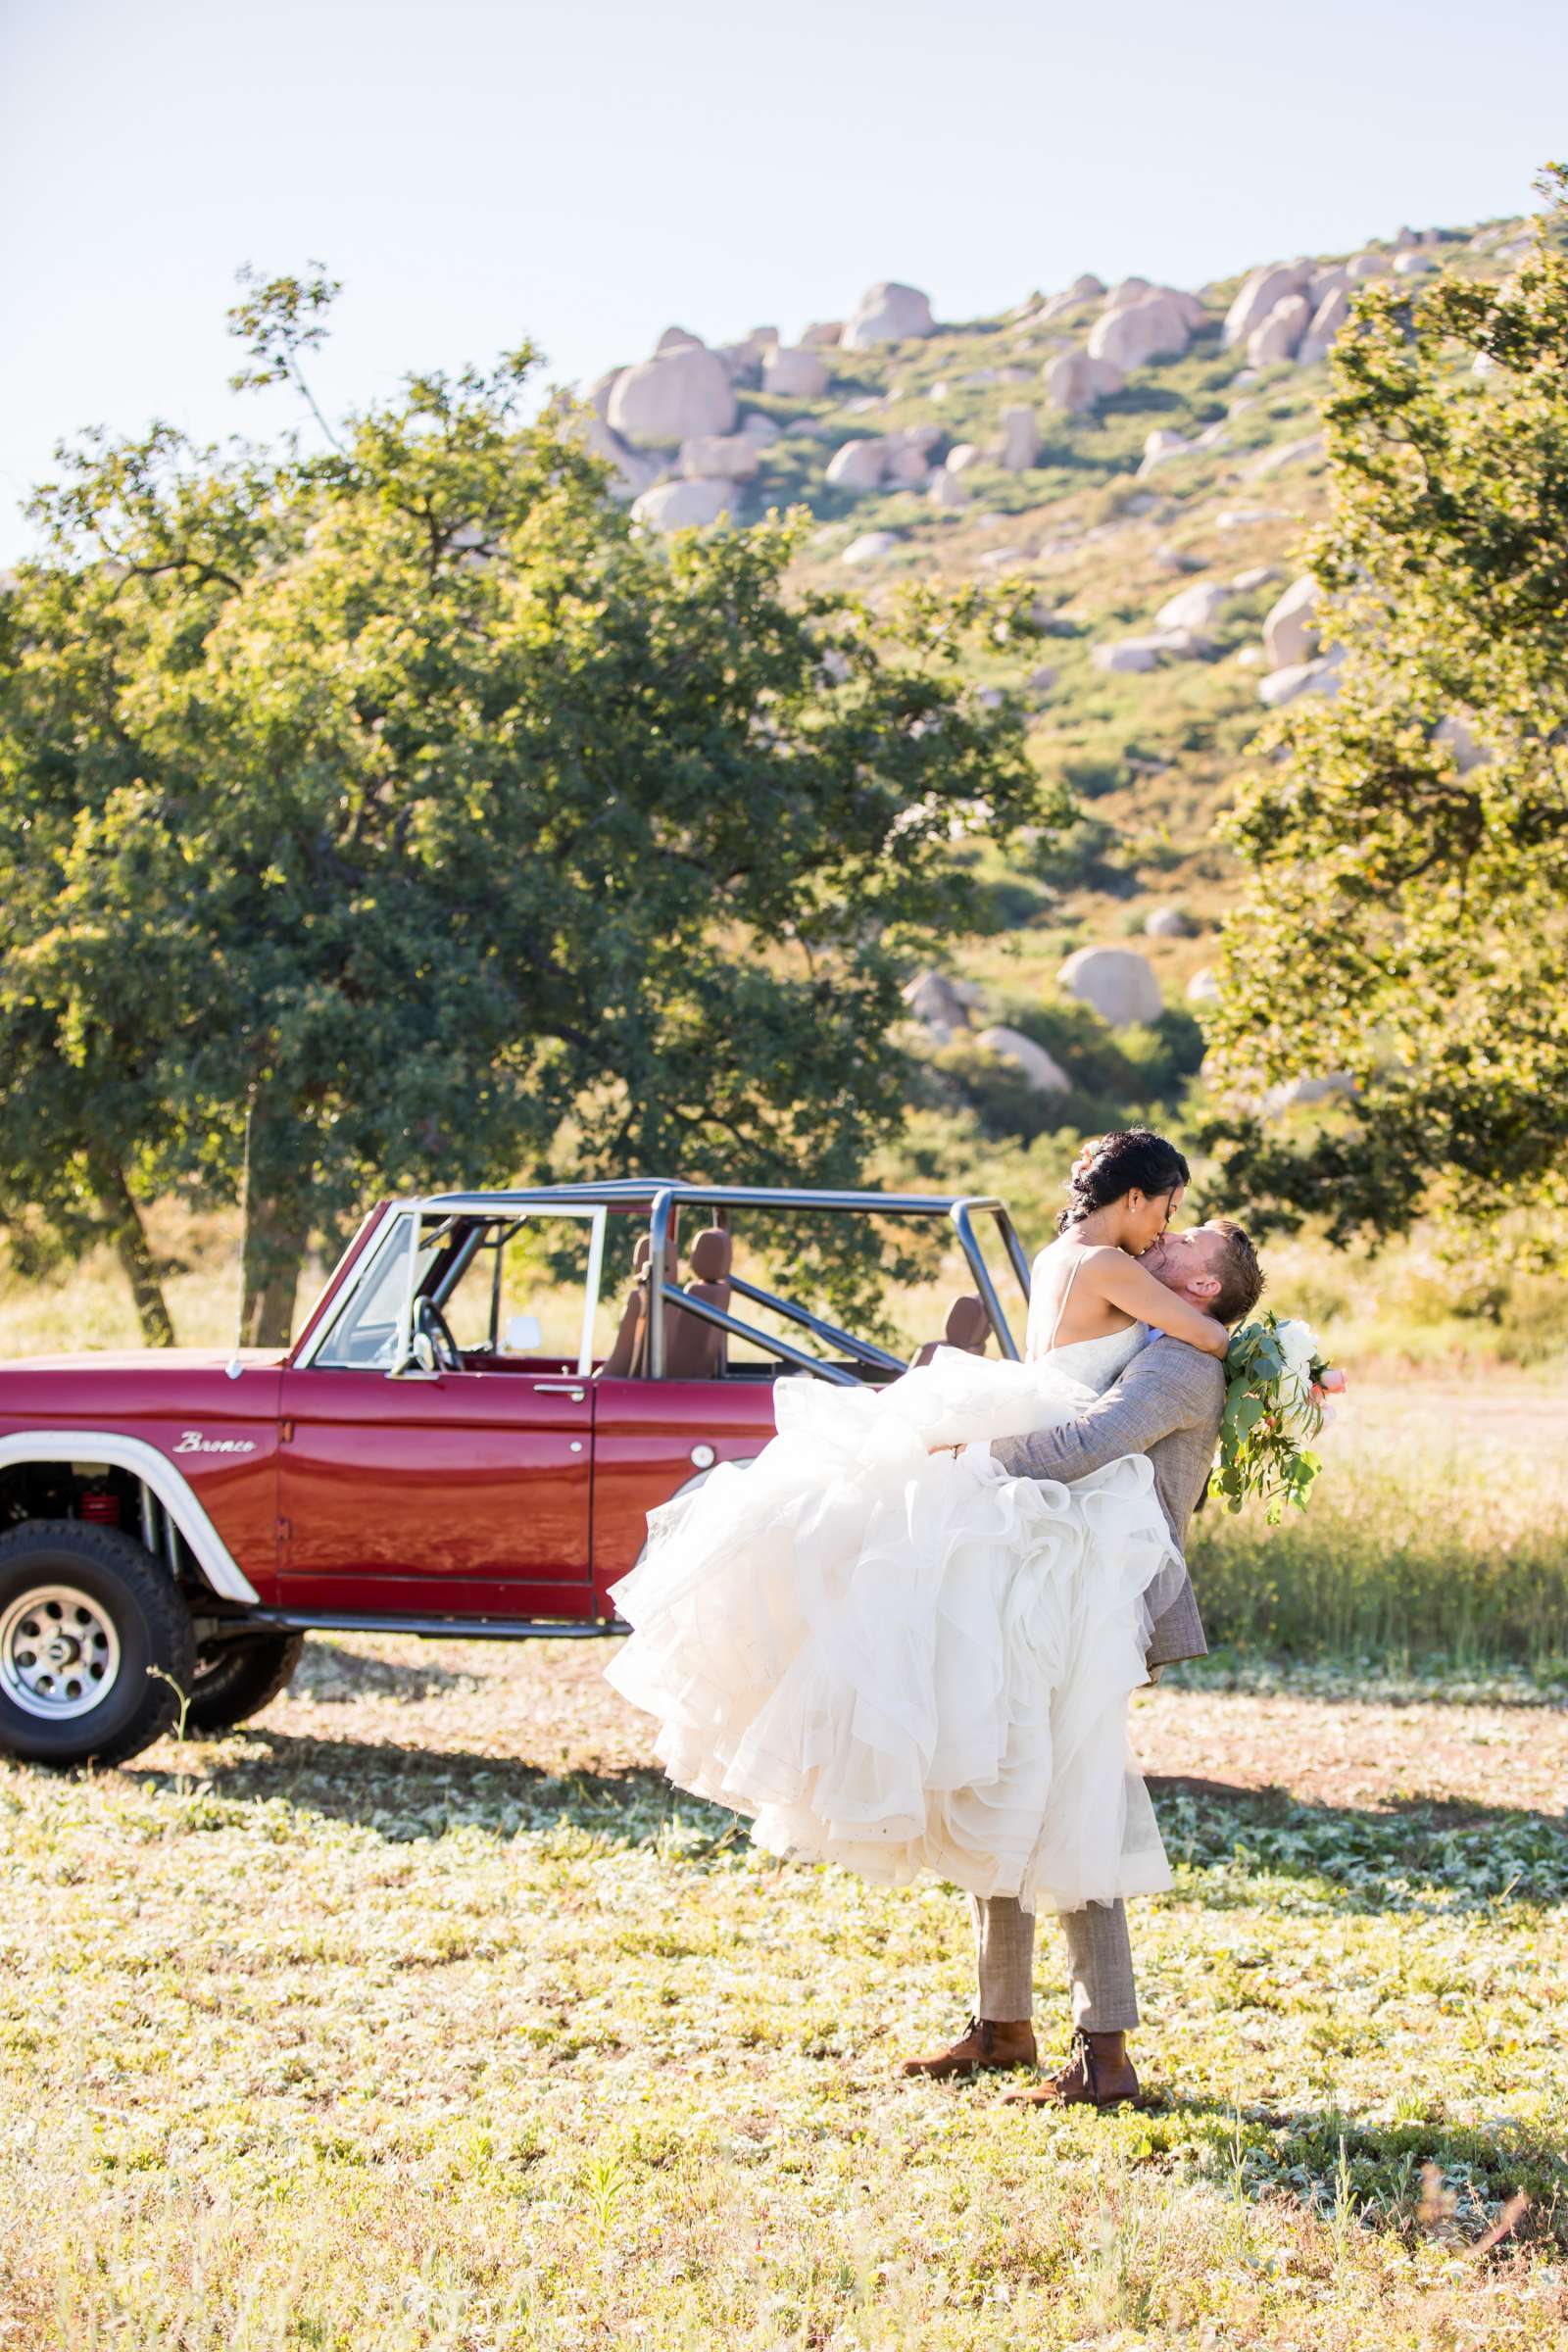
[{"x": 1298, "y": 1345}]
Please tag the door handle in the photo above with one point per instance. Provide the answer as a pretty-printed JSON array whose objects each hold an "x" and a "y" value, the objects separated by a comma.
[{"x": 559, "y": 1388}]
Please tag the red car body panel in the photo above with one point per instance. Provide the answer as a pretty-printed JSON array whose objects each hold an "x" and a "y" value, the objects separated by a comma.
[
  {"x": 473, "y": 1478},
  {"x": 438, "y": 1453},
  {"x": 366, "y": 1475},
  {"x": 645, "y": 1433},
  {"x": 220, "y": 1434},
  {"x": 518, "y": 1493}
]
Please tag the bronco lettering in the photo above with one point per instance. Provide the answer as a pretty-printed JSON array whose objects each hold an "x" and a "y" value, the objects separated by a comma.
[{"x": 192, "y": 1441}]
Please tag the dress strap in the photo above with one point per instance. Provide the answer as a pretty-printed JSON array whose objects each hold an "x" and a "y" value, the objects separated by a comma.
[{"x": 1061, "y": 1303}]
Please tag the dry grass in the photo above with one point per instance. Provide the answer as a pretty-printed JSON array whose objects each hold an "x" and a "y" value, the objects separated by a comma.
[
  {"x": 86, "y": 1302},
  {"x": 421, "y": 2015},
  {"x": 1436, "y": 1531},
  {"x": 1407, "y": 1310}
]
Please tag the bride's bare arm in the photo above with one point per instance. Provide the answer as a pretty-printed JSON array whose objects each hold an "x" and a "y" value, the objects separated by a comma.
[{"x": 1122, "y": 1282}]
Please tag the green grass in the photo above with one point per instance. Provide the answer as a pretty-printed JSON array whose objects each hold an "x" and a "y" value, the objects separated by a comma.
[
  {"x": 421, "y": 2015},
  {"x": 1340, "y": 1586},
  {"x": 1437, "y": 1531}
]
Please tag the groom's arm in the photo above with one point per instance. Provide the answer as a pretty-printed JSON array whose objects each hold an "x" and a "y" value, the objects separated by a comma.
[{"x": 1168, "y": 1386}]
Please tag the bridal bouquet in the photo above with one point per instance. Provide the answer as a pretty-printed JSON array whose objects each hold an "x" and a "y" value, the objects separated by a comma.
[{"x": 1277, "y": 1387}]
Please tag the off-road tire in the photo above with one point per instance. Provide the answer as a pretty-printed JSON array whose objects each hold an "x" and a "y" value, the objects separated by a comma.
[
  {"x": 244, "y": 1676},
  {"x": 120, "y": 1584}
]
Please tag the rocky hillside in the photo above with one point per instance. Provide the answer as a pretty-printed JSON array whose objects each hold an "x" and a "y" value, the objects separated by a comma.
[{"x": 1151, "y": 455}]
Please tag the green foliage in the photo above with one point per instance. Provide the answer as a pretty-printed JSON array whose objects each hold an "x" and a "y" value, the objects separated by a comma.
[
  {"x": 1406, "y": 920},
  {"x": 1260, "y": 1452},
  {"x": 1088, "y": 777},
  {"x": 1011, "y": 902},
  {"x": 406, "y": 796},
  {"x": 1088, "y": 855},
  {"x": 1118, "y": 1078}
]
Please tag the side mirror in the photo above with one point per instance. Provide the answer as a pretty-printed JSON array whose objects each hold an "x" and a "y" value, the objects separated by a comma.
[{"x": 522, "y": 1336}]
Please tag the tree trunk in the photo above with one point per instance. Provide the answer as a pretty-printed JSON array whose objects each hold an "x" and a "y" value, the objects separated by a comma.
[
  {"x": 117, "y": 1206},
  {"x": 277, "y": 1234}
]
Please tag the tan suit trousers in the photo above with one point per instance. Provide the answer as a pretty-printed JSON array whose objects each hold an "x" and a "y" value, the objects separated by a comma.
[{"x": 1100, "y": 1964}]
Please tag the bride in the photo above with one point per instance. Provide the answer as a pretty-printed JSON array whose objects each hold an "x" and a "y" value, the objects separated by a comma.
[{"x": 890, "y": 1655}]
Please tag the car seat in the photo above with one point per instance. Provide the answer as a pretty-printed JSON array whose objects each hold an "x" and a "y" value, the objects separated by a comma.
[
  {"x": 968, "y": 1327},
  {"x": 695, "y": 1349},
  {"x": 628, "y": 1357}
]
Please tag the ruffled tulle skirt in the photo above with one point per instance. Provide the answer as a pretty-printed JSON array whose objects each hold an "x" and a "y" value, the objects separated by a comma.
[{"x": 902, "y": 1661}]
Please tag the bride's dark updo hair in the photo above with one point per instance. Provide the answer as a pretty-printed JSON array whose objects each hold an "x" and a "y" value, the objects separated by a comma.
[{"x": 1134, "y": 1158}]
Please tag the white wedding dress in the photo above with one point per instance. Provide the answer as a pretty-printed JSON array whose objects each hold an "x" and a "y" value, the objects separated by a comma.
[{"x": 904, "y": 1662}]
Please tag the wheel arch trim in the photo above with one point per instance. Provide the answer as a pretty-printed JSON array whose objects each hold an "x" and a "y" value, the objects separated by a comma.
[{"x": 172, "y": 1488}]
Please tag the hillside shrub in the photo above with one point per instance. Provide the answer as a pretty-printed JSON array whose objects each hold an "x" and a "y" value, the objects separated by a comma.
[{"x": 1119, "y": 1078}]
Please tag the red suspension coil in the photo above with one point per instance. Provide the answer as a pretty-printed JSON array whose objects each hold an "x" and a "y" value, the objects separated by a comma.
[{"x": 102, "y": 1510}]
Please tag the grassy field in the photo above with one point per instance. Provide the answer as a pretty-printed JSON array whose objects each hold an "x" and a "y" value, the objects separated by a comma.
[
  {"x": 421, "y": 2014},
  {"x": 1439, "y": 1531}
]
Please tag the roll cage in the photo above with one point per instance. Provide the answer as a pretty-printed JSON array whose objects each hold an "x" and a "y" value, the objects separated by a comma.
[{"x": 439, "y": 1235}]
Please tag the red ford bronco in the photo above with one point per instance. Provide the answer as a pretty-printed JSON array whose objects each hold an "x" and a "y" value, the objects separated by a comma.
[{"x": 441, "y": 1451}]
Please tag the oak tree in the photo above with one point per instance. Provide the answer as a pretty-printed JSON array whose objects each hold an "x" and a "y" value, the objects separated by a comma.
[{"x": 401, "y": 793}]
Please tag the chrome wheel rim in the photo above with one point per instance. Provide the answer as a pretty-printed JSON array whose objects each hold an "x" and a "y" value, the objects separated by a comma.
[{"x": 59, "y": 1652}]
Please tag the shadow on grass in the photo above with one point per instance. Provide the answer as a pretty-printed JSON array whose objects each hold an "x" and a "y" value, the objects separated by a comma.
[
  {"x": 1224, "y": 1841},
  {"x": 1412, "y": 1852},
  {"x": 1420, "y": 2176},
  {"x": 334, "y": 1676},
  {"x": 408, "y": 1792},
  {"x": 1383, "y": 1678}
]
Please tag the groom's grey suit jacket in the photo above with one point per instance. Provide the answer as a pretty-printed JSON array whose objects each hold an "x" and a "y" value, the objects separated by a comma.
[{"x": 1169, "y": 1403}]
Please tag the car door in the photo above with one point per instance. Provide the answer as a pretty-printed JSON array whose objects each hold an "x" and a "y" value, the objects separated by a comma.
[{"x": 459, "y": 1485}]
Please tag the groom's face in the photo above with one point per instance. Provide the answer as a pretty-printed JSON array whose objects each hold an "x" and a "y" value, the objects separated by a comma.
[{"x": 1185, "y": 1263}]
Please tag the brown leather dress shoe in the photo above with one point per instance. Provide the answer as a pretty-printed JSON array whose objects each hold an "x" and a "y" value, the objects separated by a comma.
[
  {"x": 1093, "y": 2077},
  {"x": 986, "y": 2045}
]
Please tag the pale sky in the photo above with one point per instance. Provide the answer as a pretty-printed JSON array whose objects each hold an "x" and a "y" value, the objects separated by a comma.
[{"x": 587, "y": 175}]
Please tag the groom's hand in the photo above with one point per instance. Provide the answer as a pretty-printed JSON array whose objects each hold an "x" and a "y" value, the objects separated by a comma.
[{"x": 1166, "y": 1387}]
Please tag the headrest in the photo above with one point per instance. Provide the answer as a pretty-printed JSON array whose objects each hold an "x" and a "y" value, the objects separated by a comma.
[
  {"x": 967, "y": 1325},
  {"x": 643, "y": 1252},
  {"x": 711, "y": 1254}
]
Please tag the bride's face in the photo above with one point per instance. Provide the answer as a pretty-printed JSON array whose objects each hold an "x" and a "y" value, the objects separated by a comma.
[{"x": 1146, "y": 1217}]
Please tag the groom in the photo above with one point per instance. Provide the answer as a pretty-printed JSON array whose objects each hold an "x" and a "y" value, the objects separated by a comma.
[{"x": 1167, "y": 1404}]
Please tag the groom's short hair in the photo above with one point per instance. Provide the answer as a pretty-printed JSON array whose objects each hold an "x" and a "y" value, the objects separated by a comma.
[{"x": 1241, "y": 1277}]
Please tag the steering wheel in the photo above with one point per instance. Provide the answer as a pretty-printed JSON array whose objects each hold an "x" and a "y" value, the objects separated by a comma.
[{"x": 428, "y": 1319}]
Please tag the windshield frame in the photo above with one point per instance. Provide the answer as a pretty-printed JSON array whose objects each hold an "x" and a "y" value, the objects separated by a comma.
[{"x": 494, "y": 1228}]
